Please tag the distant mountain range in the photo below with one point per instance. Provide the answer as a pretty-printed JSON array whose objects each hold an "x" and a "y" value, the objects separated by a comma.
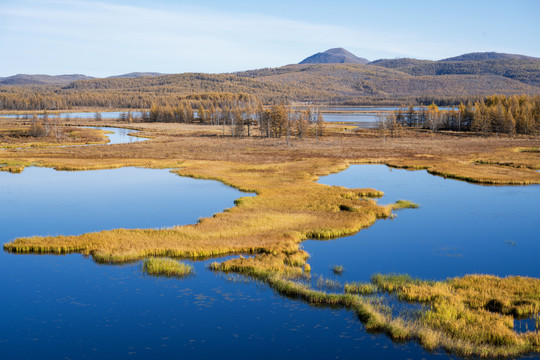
[
  {"x": 335, "y": 75},
  {"x": 26, "y": 79}
]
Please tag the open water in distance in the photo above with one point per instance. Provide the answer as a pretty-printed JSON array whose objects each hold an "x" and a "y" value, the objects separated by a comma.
[
  {"x": 57, "y": 307},
  {"x": 363, "y": 117}
]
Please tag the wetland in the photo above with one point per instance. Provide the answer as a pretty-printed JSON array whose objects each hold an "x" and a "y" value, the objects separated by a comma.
[{"x": 256, "y": 243}]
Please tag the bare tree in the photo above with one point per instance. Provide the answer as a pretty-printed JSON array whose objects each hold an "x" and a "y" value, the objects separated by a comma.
[
  {"x": 36, "y": 128},
  {"x": 381, "y": 125}
]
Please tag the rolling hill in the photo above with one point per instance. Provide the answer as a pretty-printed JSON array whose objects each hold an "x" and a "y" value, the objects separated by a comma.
[
  {"x": 389, "y": 81},
  {"x": 334, "y": 56},
  {"x": 26, "y": 79},
  {"x": 522, "y": 68}
]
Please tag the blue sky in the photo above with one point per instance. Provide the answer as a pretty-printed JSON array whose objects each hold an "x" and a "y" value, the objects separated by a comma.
[{"x": 109, "y": 37}]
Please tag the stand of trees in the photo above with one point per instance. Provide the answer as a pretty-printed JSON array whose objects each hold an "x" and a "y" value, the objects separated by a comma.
[
  {"x": 241, "y": 115},
  {"x": 494, "y": 114},
  {"x": 45, "y": 127}
]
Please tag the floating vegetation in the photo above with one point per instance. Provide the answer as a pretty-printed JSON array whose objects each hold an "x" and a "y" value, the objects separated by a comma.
[
  {"x": 338, "y": 269},
  {"x": 166, "y": 267},
  {"x": 329, "y": 284},
  {"x": 404, "y": 204}
]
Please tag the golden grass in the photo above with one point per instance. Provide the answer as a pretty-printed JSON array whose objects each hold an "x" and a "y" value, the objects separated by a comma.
[
  {"x": 450, "y": 321},
  {"x": 16, "y": 136},
  {"x": 361, "y": 288},
  {"x": 476, "y": 311},
  {"x": 404, "y": 204},
  {"x": 166, "y": 267},
  {"x": 289, "y": 208}
]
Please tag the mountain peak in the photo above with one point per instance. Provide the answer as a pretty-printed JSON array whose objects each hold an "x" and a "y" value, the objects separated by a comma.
[{"x": 334, "y": 56}]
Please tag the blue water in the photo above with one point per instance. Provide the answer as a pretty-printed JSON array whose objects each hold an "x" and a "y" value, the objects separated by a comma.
[
  {"x": 48, "y": 202},
  {"x": 120, "y": 136},
  {"x": 115, "y": 136},
  {"x": 57, "y": 307},
  {"x": 363, "y": 120},
  {"x": 460, "y": 228}
]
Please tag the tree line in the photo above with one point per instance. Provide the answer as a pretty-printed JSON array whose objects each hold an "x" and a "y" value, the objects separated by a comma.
[{"x": 495, "y": 114}]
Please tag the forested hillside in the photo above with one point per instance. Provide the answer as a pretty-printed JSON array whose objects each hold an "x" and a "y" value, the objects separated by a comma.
[
  {"x": 524, "y": 69},
  {"x": 387, "y": 82}
]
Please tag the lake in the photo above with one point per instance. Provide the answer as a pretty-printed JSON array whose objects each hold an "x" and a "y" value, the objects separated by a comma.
[
  {"x": 59, "y": 307},
  {"x": 364, "y": 117}
]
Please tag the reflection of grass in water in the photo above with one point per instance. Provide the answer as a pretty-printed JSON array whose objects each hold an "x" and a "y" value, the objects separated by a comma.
[
  {"x": 469, "y": 316},
  {"x": 325, "y": 283},
  {"x": 166, "y": 267}
]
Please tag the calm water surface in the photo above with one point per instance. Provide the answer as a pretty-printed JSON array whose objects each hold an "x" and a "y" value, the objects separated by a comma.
[
  {"x": 362, "y": 120},
  {"x": 119, "y": 135},
  {"x": 367, "y": 119},
  {"x": 56, "y": 307},
  {"x": 460, "y": 228}
]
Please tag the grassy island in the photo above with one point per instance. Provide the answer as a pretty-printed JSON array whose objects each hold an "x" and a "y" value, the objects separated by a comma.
[{"x": 166, "y": 267}]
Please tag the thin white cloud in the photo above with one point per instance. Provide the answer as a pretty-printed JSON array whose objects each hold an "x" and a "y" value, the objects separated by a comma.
[
  {"x": 190, "y": 36},
  {"x": 103, "y": 38}
]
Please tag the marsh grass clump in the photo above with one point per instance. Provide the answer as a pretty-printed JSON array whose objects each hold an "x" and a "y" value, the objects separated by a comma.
[
  {"x": 404, "y": 204},
  {"x": 392, "y": 282},
  {"x": 451, "y": 318},
  {"x": 166, "y": 267},
  {"x": 338, "y": 269},
  {"x": 361, "y": 288}
]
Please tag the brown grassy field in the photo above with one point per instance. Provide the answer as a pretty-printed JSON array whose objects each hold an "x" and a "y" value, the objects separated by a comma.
[{"x": 291, "y": 207}]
